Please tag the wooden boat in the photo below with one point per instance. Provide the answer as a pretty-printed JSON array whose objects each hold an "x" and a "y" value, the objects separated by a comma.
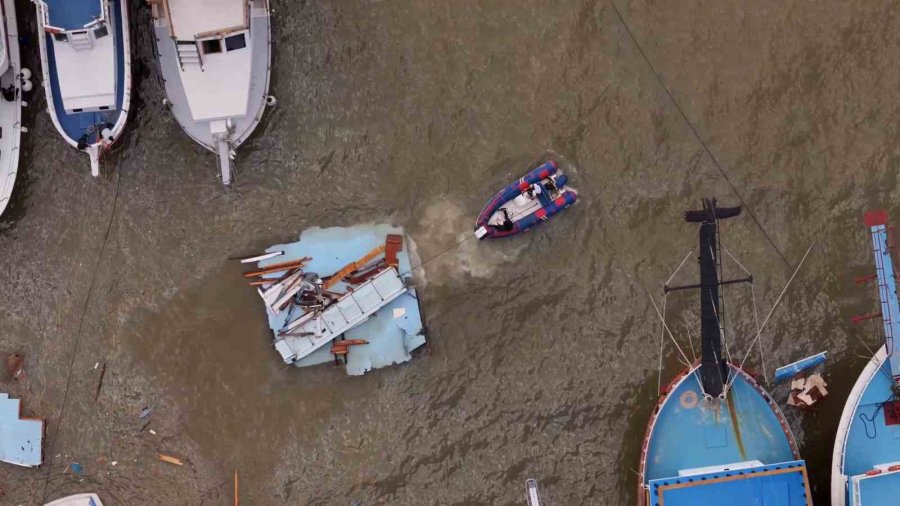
[
  {"x": 866, "y": 459},
  {"x": 716, "y": 436},
  {"x": 520, "y": 206}
]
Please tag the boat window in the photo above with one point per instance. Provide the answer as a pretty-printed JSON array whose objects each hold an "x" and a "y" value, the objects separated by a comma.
[
  {"x": 235, "y": 42},
  {"x": 104, "y": 107},
  {"x": 100, "y": 32},
  {"x": 60, "y": 37},
  {"x": 211, "y": 46},
  {"x": 77, "y": 110}
]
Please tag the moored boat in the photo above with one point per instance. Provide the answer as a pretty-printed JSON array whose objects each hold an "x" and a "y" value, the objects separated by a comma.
[
  {"x": 866, "y": 459},
  {"x": 523, "y": 204},
  {"x": 86, "y": 65},
  {"x": 13, "y": 83},
  {"x": 716, "y": 436},
  {"x": 214, "y": 56}
]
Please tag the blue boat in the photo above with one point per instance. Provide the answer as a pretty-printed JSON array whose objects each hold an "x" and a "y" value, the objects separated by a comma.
[
  {"x": 716, "y": 436},
  {"x": 866, "y": 462},
  {"x": 86, "y": 64}
]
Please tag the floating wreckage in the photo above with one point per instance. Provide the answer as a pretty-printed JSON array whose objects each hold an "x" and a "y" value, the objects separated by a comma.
[
  {"x": 363, "y": 314},
  {"x": 20, "y": 438}
]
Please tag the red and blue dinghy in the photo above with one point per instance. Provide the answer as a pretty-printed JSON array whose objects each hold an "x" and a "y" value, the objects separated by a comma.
[{"x": 536, "y": 197}]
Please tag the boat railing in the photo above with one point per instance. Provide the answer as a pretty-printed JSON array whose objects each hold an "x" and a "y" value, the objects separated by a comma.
[{"x": 45, "y": 17}]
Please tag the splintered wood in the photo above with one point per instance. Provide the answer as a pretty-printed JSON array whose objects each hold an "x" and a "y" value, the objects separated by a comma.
[
  {"x": 170, "y": 460},
  {"x": 807, "y": 391}
]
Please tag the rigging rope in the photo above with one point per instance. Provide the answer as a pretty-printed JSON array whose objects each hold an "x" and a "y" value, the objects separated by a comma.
[
  {"x": 454, "y": 246},
  {"x": 666, "y": 328},
  {"x": 697, "y": 134},
  {"x": 774, "y": 306}
]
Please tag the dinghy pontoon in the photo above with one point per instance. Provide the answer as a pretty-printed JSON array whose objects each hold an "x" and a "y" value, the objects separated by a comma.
[
  {"x": 214, "y": 57},
  {"x": 86, "y": 64},
  {"x": 521, "y": 205}
]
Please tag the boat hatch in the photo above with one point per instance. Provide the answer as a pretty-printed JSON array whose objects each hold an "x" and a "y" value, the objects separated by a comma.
[
  {"x": 783, "y": 484},
  {"x": 235, "y": 42}
]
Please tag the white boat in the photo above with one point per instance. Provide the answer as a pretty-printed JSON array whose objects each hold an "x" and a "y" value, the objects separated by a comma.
[
  {"x": 77, "y": 500},
  {"x": 214, "y": 56},
  {"x": 86, "y": 64},
  {"x": 12, "y": 83}
]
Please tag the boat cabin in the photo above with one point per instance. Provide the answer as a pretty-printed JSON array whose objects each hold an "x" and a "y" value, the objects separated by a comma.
[
  {"x": 212, "y": 41},
  {"x": 85, "y": 53}
]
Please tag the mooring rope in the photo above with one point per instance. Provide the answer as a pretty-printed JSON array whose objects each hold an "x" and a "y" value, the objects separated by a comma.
[{"x": 697, "y": 134}]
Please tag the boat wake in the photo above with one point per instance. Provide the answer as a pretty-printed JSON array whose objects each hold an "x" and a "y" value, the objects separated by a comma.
[{"x": 444, "y": 230}]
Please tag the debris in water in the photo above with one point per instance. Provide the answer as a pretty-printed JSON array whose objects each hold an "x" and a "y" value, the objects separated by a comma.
[
  {"x": 20, "y": 438},
  {"x": 145, "y": 412},
  {"x": 308, "y": 313},
  {"x": 76, "y": 468},
  {"x": 170, "y": 460},
  {"x": 15, "y": 364},
  {"x": 795, "y": 368},
  {"x": 807, "y": 391},
  {"x": 100, "y": 382}
]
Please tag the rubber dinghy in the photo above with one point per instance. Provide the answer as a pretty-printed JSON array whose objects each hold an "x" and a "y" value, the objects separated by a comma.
[{"x": 521, "y": 205}]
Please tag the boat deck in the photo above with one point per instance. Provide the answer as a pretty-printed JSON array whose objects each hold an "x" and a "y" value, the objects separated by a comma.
[
  {"x": 688, "y": 433},
  {"x": 255, "y": 86},
  {"x": 783, "y": 484},
  {"x": 870, "y": 442},
  {"x": 79, "y": 124},
  {"x": 396, "y": 329},
  {"x": 72, "y": 14}
]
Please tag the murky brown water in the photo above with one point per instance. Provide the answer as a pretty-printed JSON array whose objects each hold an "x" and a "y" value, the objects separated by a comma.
[{"x": 543, "y": 349}]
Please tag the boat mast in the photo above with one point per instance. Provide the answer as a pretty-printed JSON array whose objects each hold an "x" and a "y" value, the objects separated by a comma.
[{"x": 713, "y": 366}]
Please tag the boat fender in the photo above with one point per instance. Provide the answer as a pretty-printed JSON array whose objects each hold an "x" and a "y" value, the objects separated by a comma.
[
  {"x": 480, "y": 232},
  {"x": 106, "y": 133},
  {"x": 27, "y": 85},
  {"x": 271, "y": 100},
  {"x": 893, "y": 468},
  {"x": 25, "y": 74},
  {"x": 562, "y": 180},
  {"x": 873, "y": 472}
]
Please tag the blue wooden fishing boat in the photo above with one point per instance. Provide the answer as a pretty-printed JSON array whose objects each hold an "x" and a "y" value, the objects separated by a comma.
[
  {"x": 86, "y": 64},
  {"x": 866, "y": 462},
  {"x": 716, "y": 436}
]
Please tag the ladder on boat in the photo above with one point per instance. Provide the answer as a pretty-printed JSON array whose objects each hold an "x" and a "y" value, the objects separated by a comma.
[
  {"x": 188, "y": 54},
  {"x": 80, "y": 40},
  {"x": 313, "y": 330}
]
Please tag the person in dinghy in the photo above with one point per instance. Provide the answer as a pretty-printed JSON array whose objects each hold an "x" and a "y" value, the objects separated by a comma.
[{"x": 521, "y": 205}]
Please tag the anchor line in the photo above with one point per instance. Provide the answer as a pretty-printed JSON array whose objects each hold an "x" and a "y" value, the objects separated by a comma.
[
  {"x": 693, "y": 130},
  {"x": 445, "y": 251}
]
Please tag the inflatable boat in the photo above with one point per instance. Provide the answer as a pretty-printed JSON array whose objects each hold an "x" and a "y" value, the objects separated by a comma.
[{"x": 536, "y": 197}]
